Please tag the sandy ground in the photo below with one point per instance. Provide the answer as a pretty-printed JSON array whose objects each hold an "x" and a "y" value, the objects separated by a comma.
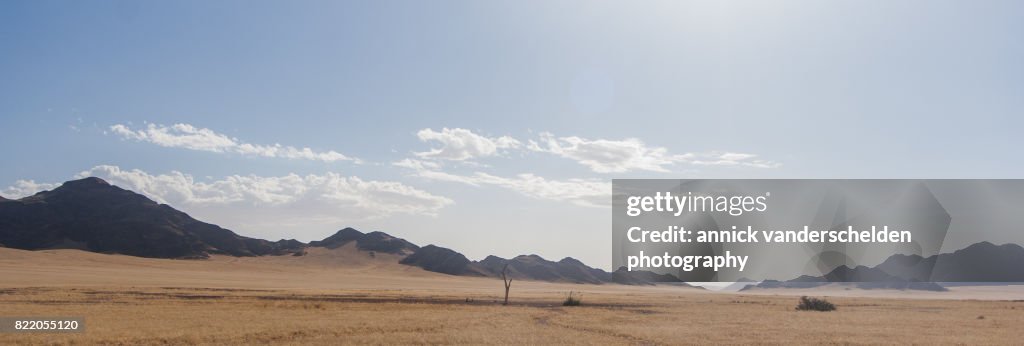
[{"x": 345, "y": 296}]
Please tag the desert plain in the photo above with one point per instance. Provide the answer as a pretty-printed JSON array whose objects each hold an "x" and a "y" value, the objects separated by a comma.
[{"x": 345, "y": 296}]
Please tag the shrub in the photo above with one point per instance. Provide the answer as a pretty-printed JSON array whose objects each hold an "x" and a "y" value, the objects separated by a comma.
[
  {"x": 572, "y": 301},
  {"x": 814, "y": 304}
]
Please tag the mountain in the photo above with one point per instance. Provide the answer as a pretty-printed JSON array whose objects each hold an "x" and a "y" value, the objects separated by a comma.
[
  {"x": 537, "y": 268},
  {"x": 339, "y": 238},
  {"x": 443, "y": 260},
  {"x": 92, "y": 215},
  {"x": 373, "y": 241},
  {"x": 980, "y": 262},
  {"x": 860, "y": 277},
  {"x": 529, "y": 267}
]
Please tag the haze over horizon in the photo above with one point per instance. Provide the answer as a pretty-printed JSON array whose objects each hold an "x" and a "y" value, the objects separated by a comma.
[{"x": 494, "y": 128}]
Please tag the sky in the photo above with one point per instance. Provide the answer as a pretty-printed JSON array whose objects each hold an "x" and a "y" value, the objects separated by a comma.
[{"x": 495, "y": 127}]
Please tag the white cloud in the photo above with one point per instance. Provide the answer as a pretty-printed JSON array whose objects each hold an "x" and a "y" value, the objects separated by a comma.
[
  {"x": 25, "y": 188},
  {"x": 461, "y": 144},
  {"x": 583, "y": 192},
  {"x": 416, "y": 164},
  {"x": 190, "y": 137},
  {"x": 606, "y": 156},
  {"x": 631, "y": 154},
  {"x": 730, "y": 159}
]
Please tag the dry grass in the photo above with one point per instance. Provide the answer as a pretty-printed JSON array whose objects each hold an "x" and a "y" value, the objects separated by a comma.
[
  {"x": 423, "y": 308},
  {"x": 204, "y": 316}
]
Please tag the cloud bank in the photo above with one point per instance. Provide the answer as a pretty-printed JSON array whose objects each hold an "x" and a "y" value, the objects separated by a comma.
[
  {"x": 631, "y": 154},
  {"x": 599, "y": 155},
  {"x": 186, "y": 136},
  {"x": 25, "y": 188},
  {"x": 582, "y": 192}
]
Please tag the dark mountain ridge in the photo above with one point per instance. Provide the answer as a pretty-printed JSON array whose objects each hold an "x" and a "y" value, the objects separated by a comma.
[
  {"x": 538, "y": 268},
  {"x": 528, "y": 267},
  {"x": 92, "y": 215},
  {"x": 982, "y": 262},
  {"x": 443, "y": 260},
  {"x": 374, "y": 241}
]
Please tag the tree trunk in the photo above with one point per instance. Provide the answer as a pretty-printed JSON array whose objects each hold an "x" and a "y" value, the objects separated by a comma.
[{"x": 508, "y": 282}]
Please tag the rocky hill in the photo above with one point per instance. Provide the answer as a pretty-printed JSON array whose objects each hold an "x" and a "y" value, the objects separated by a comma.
[
  {"x": 982, "y": 262},
  {"x": 374, "y": 241},
  {"x": 92, "y": 215}
]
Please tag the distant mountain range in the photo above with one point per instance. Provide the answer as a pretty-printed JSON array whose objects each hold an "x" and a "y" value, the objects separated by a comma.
[
  {"x": 443, "y": 260},
  {"x": 447, "y": 261},
  {"x": 982, "y": 262},
  {"x": 92, "y": 215}
]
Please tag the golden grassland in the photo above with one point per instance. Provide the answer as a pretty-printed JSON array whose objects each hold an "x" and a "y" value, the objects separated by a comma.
[{"x": 344, "y": 297}]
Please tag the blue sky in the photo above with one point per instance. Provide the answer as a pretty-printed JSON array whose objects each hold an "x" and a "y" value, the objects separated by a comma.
[{"x": 571, "y": 93}]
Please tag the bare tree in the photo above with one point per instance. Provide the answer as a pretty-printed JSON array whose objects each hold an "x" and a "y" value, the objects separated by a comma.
[{"x": 508, "y": 282}]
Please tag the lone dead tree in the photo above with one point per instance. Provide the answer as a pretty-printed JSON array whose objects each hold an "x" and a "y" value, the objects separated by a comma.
[{"x": 508, "y": 282}]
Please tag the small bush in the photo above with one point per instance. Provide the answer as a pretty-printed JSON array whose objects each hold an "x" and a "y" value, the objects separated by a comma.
[
  {"x": 572, "y": 301},
  {"x": 814, "y": 304}
]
